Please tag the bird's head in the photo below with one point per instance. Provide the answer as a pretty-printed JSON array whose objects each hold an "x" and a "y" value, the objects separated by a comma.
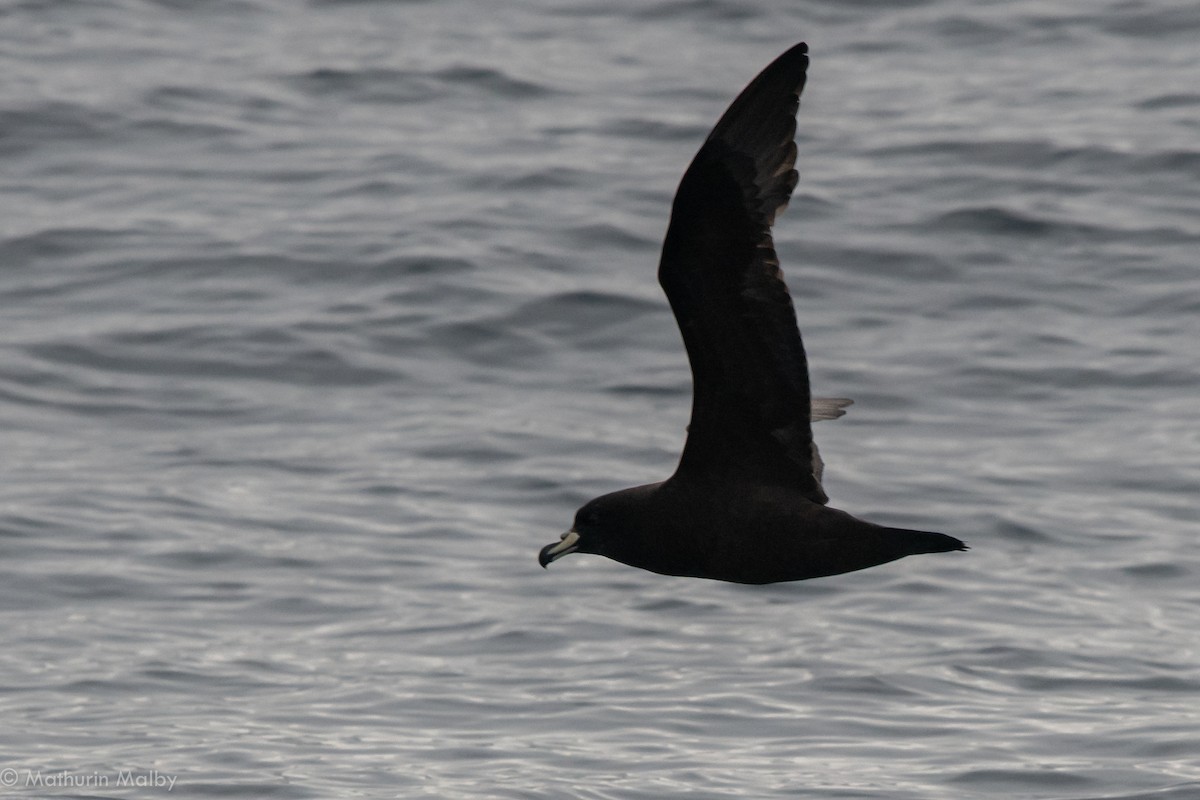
[{"x": 606, "y": 526}]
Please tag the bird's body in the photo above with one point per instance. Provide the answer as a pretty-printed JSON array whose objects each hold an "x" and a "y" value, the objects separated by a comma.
[
  {"x": 740, "y": 532},
  {"x": 746, "y": 502}
]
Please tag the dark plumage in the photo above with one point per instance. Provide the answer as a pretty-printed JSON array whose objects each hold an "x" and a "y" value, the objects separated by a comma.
[{"x": 745, "y": 503}]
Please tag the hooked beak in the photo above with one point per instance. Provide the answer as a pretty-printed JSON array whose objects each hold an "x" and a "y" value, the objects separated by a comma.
[{"x": 553, "y": 552}]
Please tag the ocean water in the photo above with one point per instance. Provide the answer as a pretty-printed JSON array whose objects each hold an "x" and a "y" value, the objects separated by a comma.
[{"x": 317, "y": 320}]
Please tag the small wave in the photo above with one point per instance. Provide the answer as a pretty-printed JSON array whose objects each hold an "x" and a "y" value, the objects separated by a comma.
[
  {"x": 997, "y": 220},
  {"x": 405, "y": 86}
]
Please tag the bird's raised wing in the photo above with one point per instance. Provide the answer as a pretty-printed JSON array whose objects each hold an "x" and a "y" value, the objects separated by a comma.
[{"x": 751, "y": 403}]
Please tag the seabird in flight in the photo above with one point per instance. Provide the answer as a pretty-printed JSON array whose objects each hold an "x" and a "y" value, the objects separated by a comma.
[{"x": 745, "y": 503}]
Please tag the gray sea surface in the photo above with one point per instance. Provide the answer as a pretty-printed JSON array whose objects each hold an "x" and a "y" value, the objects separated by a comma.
[{"x": 319, "y": 319}]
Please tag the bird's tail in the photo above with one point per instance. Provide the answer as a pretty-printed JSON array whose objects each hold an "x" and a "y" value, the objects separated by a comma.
[{"x": 928, "y": 541}]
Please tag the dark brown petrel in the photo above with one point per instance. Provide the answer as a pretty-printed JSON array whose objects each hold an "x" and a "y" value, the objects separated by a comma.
[{"x": 745, "y": 503}]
